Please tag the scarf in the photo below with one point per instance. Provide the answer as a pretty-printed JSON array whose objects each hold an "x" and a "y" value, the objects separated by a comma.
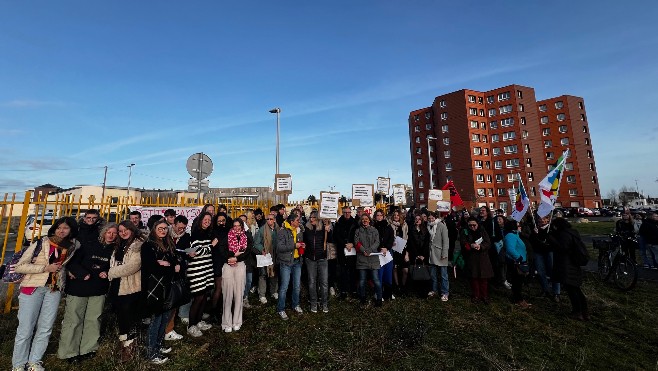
[
  {"x": 237, "y": 241},
  {"x": 59, "y": 248},
  {"x": 267, "y": 246},
  {"x": 292, "y": 230}
]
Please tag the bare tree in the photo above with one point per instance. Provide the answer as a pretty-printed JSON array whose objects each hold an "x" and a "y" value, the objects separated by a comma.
[
  {"x": 612, "y": 196},
  {"x": 624, "y": 195}
]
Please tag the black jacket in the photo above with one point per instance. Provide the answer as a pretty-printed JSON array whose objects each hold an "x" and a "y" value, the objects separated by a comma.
[
  {"x": 343, "y": 234},
  {"x": 649, "y": 232},
  {"x": 418, "y": 243},
  {"x": 88, "y": 234},
  {"x": 314, "y": 238},
  {"x": 386, "y": 237},
  {"x": 91, "y": 260},
  {"x": 562, "y": 241},
  {"x": 156, "y": 278}
]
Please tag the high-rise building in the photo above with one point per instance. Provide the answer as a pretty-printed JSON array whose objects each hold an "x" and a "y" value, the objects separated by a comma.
[{"x": 482, "y": 140}]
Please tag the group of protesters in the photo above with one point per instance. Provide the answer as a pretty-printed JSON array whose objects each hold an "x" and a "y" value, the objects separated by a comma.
[{"x": 215, "y": 264}]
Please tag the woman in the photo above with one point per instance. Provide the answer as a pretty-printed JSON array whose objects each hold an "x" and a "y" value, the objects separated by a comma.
[
  {"x": 516, "y": 254},
  {"x": 159, "y": 264},
  {"x": 543, "y": 259},
  {"x": 418, "y": 249},
  {"x": 126, "y": 285},
  {"x": 366, "y": 241},
  {"x": 386, "y": 240},
  {"x": 438, "y": 259},
  {"x": 233, "y": 276},
  {"x": 499, "y": 245},
  {"x": 200, "y": 271},
  {"x": 208, "y": 208},
  {"x": 400, "y": 266},
  {"x": 220, "y": 230},
  {"x": 86, "y": 288},
  {"x": 265, "y": 242},
  {"x": 565, "y": 270},
  {"x": 316, "y": 233},
  {"x": 40, "y": 291},
  {"x": 475, "y": 246},
  {"x": 289, "y": 244},
  {"x": 251, "y": 227}
]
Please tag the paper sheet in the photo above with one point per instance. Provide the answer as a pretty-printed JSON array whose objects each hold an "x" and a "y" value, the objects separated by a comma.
[
  {"x": 191, "y": 249},
  {"x": 385, "y": 259},
  {"x": 399, "y": 244},
  {"x": 350, "y": 253},
  {"x": 264, "y": 260}
]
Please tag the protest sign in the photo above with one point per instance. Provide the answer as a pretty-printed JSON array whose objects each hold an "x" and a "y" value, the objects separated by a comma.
[{"x": 329, "y": 205}]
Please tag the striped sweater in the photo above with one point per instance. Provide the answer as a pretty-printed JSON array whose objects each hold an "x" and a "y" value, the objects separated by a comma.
[{"x": 199, "y": 269}]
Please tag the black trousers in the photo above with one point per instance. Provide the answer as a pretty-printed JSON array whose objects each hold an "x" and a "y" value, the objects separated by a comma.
[{"x": 577, "y": 298}]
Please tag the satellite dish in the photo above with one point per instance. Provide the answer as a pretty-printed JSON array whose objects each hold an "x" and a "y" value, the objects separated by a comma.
[{"x": 199, "y": 166}]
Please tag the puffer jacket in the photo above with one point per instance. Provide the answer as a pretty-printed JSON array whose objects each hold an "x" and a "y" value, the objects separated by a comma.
[
  {"x": 369, "y": 239},
  {"x": 129, "y": 270},
  {"x": 285, "y": 246},
  {"x": 34, "y": 269},
  {"x": 314, "y": 238}
]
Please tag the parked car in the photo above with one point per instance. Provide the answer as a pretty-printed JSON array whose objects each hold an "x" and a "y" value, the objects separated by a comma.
[
  {"x": 35, "y": 227},
  {"x": 610, "y": 213},
  {"x": 583, "y": 211},
  {"x": 596, "y": 211}
]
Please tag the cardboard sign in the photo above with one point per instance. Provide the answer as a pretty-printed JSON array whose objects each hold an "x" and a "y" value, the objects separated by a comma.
[
  {"x": 438, "y": 200},
  {"x": 329, "y": 205},
  {"x": 383, "y": 185},
  {"x": 399, "y": 194},
  {"x": 363, "y": 195},
  {"x": 282, "y": 184}
]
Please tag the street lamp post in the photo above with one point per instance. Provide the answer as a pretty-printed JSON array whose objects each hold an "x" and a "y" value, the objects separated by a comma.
[
  {"x": 429, "y": 164},
  {"x": 278, "y": 112},
  {"x": 130, "y": 173}
]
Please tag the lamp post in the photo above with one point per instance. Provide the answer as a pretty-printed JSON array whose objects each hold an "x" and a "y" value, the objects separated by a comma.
[
  {"x": 278, "y": 112},
  {"x": 130, "y": 173},
  {"x": 429, "y": 164}
]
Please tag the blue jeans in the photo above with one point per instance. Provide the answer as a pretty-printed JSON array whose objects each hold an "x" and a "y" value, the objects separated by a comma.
[
  {"x": 386, "y": 273},
  {"x": 374, "y": 275},
  {"x": 544, "y": 266},
  {"x": 294, "y": 270},
  {"x": 38, "y": 309},
  {"x": 156, "y": 334},
  {"x": 247, "y": 284},
  {"x": 184, "y": 310},
  {"x": 445, "y": 284},
  {"x": 653, "y": 250},
  {"x": 318, "y": 275}
]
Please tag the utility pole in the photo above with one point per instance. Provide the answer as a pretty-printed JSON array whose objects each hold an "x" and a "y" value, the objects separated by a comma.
[{"x": 104, "y": 183}]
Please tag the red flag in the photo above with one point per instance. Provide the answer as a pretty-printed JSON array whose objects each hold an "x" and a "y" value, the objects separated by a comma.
[{"x": 455, "y": 198}]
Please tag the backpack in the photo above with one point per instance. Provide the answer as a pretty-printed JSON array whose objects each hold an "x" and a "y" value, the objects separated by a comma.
[
  {"x": 10, "y": 276},
  {"x": 579, "y": 253}
]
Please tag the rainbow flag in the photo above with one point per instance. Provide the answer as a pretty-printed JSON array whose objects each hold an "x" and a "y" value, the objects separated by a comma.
[{"x": 550, "y": 185}]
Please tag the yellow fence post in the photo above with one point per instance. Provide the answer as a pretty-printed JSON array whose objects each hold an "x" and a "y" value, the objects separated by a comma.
[{"x": 19, "y": 245}]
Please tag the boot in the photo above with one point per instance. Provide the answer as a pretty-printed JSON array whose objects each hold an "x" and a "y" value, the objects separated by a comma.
[{"x": 128, "y": 350}]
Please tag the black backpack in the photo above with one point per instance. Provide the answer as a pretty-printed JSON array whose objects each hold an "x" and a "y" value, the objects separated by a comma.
[{"x": 579, "y": 253}]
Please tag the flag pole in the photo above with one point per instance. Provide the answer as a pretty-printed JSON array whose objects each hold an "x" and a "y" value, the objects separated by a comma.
[{"x": 559, "y": 183}]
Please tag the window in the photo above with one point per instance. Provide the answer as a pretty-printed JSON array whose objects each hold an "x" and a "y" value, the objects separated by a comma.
[
  {"x": 417, "y": 139},
  {"x": 474, "y": 124},
  {"x": 523, "y": 121},
  {"x": 421, "y": 196},
  {"x": 562, "y": 129},
  {"x": 446, "y": 140},
  {"x": 528, "y": 162},
  {"x": 549, "y": 155},
  {"x": 480, "y": 192},
  {"x": 427, "y": 115},
  {"x": 431, "y": 149},
  {"x": 420, "y": 173},
  {"x": 416, "y": 117},
  {"x": 521, "y": 108},
  {"x": 573, "y": 192},
  {"x": 505, "y": 109},
  {"x": 446, "y": 153},
  {"x": 448, "y": 166},
  {"x": 484, "y": 138},
  {"x": 568, "y": 166},
  {"x": 499, "y": 178},
  {"x": 559, "y": 104},
  {"x": 471, "y": 99},
  {"x": 444, "y": 128},
  {"x": 507, "y": 122},
  {"x": 493, "y": 125},
  {"x": 477, "y": 164},
  {"x": 560, "y": 116},
  {"x": 473, "y": 111},
  {"x": 480, "y": 100},
  {"x": 509, "y": 135},
  {"x": 501, "y": 191},
  {"x": 571, "y": 179},
  {"x": 420, "y": 184},
  {"x": 495, "y": 151},
  {"x": 490, "y": 192},
  {"x": 503, "y": 96},
  {"x": 582, "y": 117},
  {"x": 594, "y": 179},
  {"x": 417, "y": 129},
  {"x": 542, "y": 108},
  {"x": 580, "y": 105},
  {"x": 548, "y": 143},
  {"x": 492, "y": 112},
  {"x": 444, "y": 115},
  {"x": 487, "y": 164},
  {"x": 519, "y": 93},
  {"x": 512, "y": 162},
  {"x": 490, "y": 99},
  {"x": 586, "y": 141},
  {"x": 481, "y": 112},
  {"x": 546, "y": 132},
  {"x": 483, "y": 125},
  {"x": 524, "y": 134},
  {"x": 479, "y": 178},
  {"x": 591, "y": 166},
  {"x": 475, "y": 137},
  {"x": 494, "y": 138},
  {"x": 511, "y": 178},
  {"x": 544, "y": 120},
  {"x": 498, "y": 164},
  {"x": 418, "y": 150},
  {"x": 584, "y": 128},
  {"x": 564, "y": 141},
  {"x": 428, "y": 126},
  {"x": 511, "y": 149},
  {"x": 442, "y": 104},
  {"x": 486, "y": 151},
  {"x": 531, "y": 176},
  {"x": 589, "y": 154},
  {"x": 488, "y": 178},
  {"x": 419, "y": 161},
  {"x": 477, "y": 150}
]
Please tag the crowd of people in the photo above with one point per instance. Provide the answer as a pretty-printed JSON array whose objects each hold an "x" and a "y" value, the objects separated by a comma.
[{"x": 157, "y": 273}]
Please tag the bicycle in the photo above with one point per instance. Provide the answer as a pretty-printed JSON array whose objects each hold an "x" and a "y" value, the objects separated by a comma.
[{"x": 614, "y": 261}]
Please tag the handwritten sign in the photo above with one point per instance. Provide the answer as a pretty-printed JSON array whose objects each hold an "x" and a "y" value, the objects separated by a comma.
[
  {"x": 399, "y": 194},
  {"x": 189, "y": 212},
  {"x": 329, "y": 205},
  {"x": 363, "y": 195},
  {"x": 282, "y": 184},
  {"x": 383, "y": 185}
]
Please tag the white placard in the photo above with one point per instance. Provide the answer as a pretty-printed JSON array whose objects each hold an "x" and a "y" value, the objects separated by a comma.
[
  {"x": 399, "y": 244},
  {"x": 385, "y": 259},
  {"x": 283, "y": 183},
  {"x": 189, "y": 212},
  {"x": 443, "y": 206},
  {"x": 329, "y": 205},
  {"x": 383, "y": 185},
  {"x": 350, "y": 253},
  {"x": 363, "y": 193},
  {"x": 399, "y": 194},
  {"x": 435, "y": 194},
  {"x": 264, "y": 260}
]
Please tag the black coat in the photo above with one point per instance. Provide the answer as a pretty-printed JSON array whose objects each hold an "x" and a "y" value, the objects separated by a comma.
[
  {"x": 156, "y": 278},
  {"x": 88, "y": 234},
  {"x": 418, "y": 243},
  {"x": 314, "y": 239},
  {"x": 91, "y": 260},
  {"x": 386, "y": 237},
  {"x": 649, "y": 231},
  {"x": 478, "y": 263},
  {"x": 565, "y": 270},
  {"x": 343, "y": 233}
]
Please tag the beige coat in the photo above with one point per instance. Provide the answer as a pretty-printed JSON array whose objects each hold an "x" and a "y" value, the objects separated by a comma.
[
  {"x": 129, "y": 271},
  {"x": 34, "y": 269}
]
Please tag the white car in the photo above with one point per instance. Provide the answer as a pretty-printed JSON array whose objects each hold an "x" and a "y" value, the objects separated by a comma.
[{"x": 35, "y": 227}]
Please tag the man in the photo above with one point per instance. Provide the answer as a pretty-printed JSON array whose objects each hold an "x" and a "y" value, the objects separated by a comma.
[
  {"x": 183, "y": 241},
  {"x": 89, "y": 229},
  {"x": 136, "y": 218},
  {"x": 649, "y": 234},
  {"x": 281, "y": 214},
  {"x": 260, "y": 217},
  {"x": 267, "y": 245},
  {"x": 493, "y": 231},
  {"x": 451, "y": 223},
  {"x": 343, "y": 239},
  {"x": 290, "y": 263},
  {"x": 170, "y": 215}
]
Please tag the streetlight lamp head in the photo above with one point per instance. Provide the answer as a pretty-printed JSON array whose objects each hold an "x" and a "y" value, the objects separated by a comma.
[
  {"x": 275, "y": 110},
  {"x": 429, "y": 137}
]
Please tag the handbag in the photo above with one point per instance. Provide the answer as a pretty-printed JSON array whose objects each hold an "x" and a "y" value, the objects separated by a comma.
[
  {"x": 179, "y": 293},
  {"x": 419, "y": 271}
]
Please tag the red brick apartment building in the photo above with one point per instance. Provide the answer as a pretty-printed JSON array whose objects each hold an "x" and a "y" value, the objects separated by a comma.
[{"x": 483, "y": 139}]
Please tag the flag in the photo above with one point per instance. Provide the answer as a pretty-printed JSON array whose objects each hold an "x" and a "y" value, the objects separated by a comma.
[
  {"x": 549, "y": 186},
  {"x": 455, "y": 198},
  {"x": 520, "y": 201}
]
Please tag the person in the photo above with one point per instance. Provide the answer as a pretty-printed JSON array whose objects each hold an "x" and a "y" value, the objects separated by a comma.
[
  {"x": 281, "y": 214},
  {"x": 418, "y": 249},
  {"x": 453, "y": 232},
  {"x": 439, "y": 249},
  {"x": 400, "y": 266},
  {"x": 289, "y": 244},
  {"x": 126, "y": 285},
  {"x": 251, "y": 227},
  {"x": 637, "y": 224},
  {"x": 315, "y": 236},
  {"x": 346, "y": 264},
  {"x": 501, "y": 260},
  {"x": 40, "y": 291},
  {"x": 220, "y": 231},
  {"x": 86, "y": 287},
  {"x": 210, "y": 209},
  {"x": 649, "y": 233},
  {"x": 170, "y": 216},
  {"x": 200, "y": 271},
  {"x": 366, "y": 242},
  {"x": 625, "y": 229},
  {"x": 260, "y": 217},
  {"x": 475, "y": 247},
  {"x": 386, "y": 240},
  {"x": 543, "y": 258},
  {"x": 89, "y": 228},
  {"x": 238, "y": 242},
  {"x": 182, "y": 240},
  {"x": 159, "y": 264},
  {"x": 136, "y": 218},
  {"x": 496, "y": 238},
  {"x": 516, "y": 254},
  {"x": 566, "y": 271},
  {"x": 265, "y": 242}
]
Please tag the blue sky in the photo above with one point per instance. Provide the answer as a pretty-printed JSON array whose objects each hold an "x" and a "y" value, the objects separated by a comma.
[{"x": 84, "y": 84}]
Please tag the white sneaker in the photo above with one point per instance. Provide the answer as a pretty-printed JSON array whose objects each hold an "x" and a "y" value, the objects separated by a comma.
[
  {"x": 158, "y": 360},
  {"x": 35, "y": 366},
  {"x": 263, "y": 300},
  {"x": 314, "y": 308},
  {"x": 228, "y": 329},
  {"x": 392, "y": 297},
  {"x": 298, "y": 309},
  {"x": 245, "y": 303},
  {"x": 444, "y": 297},
  {"x": 253, "y": 290},
  {"x": 275, "y": 296},
  {"x": 507, "y": 285},
  {"x": 283, "y": 315},
  {"x": 185, "y": 320},
  {"x": 172, "y": 336},
  {"x": 165, "y": 350},
  {"x": 205, "y": 316},
  {"x": 332, "y": 291},
  {"x": 203, "y": 326},
  {"x": 194, "y": 331},
  {"x": 325, "y": 308},
  {"x": 236, "y": 328},
  {"x": 431, "y": 294}
]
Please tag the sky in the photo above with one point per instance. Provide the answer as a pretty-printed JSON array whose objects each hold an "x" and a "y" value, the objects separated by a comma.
[{"x": 88, "y": 84}]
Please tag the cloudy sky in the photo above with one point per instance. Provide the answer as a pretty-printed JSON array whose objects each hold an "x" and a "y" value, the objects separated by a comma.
[{"x": 88, "y": 84}]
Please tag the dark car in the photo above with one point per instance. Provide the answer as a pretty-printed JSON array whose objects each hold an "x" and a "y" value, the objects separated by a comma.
[{"x": 610, "y": 213}]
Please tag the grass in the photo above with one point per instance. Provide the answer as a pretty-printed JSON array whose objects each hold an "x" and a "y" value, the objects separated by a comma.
[
  {"x": 415, "y": 334},
  {"x": 594, "y": 228}
]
